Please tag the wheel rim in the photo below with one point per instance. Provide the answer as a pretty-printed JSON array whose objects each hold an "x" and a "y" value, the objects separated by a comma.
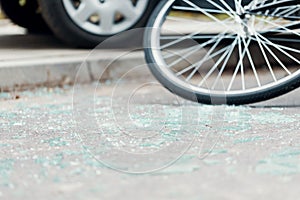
[
  {"x": 247, "y": 47},
  {"x": 105, "y": 17}
]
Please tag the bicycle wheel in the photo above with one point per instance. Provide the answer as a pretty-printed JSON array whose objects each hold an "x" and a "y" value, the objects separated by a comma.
[{"x": 242, "y": 51}]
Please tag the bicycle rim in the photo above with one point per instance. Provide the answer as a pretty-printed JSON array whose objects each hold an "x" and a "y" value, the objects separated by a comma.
[{"x": 239, "y": 48}]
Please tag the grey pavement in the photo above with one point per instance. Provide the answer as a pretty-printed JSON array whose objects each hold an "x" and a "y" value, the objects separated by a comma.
[
  {"x": 126, "y": 137},
  {"x": 134, "y": 140}
]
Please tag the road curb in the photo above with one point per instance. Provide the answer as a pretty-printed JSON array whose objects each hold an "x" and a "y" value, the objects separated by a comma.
[
  {"x": 50, "y": 71},
  {"x": 106, "y": 65}
]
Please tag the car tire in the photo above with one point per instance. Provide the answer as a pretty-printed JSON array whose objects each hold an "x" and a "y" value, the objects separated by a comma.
[
  {"x": 26, "y": 16},
  {"x": 59, "y": 19}
]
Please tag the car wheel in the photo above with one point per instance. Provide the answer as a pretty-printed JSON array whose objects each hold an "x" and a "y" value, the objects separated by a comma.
[
  {"x": 87, "y": 23},
  {"x": 25, "y": 15}
]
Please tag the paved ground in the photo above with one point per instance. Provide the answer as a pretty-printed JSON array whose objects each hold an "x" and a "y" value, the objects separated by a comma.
[{"x": 134, "y": 140}]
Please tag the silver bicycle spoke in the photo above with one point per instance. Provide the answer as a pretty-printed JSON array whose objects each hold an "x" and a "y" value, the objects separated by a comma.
[
  {"x": 276, "y": 58},
  {"x": 280, "y": 48},
  {"x": 249, "y": 56},
  {"x": 225, "y": 54},
  {"x": 186, "y": 37},
  {"x": 265, "y": 57},
  {"x": 207, "y": 14},
  {"x": 242, "y": 55},
  {"x": 231, "y": 13},
  {"x": 241, "y": 61},
  {"x": 184, "y": 51},
  {"x": 273, "y": 3},
  {"x": 189, "y": 36},
  {"x": 199, "y": 62},
  {"x": 281, "y": 27},
  {"x": 204, "y": 59},
  {"x": 185, "y": 56},
  {"x": 224, "y": 65},
  {"x": 238, "y": 49}
]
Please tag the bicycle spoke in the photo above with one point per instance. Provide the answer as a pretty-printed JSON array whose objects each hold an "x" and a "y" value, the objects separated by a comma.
[
  {"x": 207, "y": 14},
  {"x": 241, "y": 61},
  {"x": 196, "y": 49},
  {"x": 276, "y": 58},
  {"x": 273, "y": 4},
  {"x": 237, "y": 68},
  {"x": 280, "y": 48},
  {"x": 265, "y": 57},
  {"x": 251, "y": 61},
  {"x": 231, "y": 13},
  {"x": 186, "y": 37},
  {"x": 280, "y": 26},
  {"x": 201, "y": 61},
  {"x": 225, "y": 54},
  {"x": 241, "y": 48},
  {"x": 224, "y": 65},
  {"x": 204, "y": 59}
]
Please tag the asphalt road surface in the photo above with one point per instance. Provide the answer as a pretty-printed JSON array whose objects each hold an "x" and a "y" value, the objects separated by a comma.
[{"x": 134, "y": 140}]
